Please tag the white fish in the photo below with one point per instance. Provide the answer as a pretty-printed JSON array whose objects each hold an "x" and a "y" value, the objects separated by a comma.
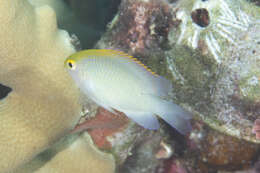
[{"x": 115, "y": 80}]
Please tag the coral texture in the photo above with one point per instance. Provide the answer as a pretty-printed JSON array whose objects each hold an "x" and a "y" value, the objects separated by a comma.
[
  {"x": 44, "y": 102},
  {"x": 215, "y": 62},
  {"x": 75, "y": 153}
]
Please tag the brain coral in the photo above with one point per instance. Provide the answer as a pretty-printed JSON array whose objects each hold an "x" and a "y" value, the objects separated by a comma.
[{"x": 43, "y": 104}]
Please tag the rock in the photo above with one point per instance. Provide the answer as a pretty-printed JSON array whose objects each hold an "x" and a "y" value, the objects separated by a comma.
[
  {"x": 227, "y": 153},
  {"x": 256, "y": 128},
  {"x": 195, "y": 45}
]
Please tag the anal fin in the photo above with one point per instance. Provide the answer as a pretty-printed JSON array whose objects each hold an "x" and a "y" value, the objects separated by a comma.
[{"x": 145, "y": 119}]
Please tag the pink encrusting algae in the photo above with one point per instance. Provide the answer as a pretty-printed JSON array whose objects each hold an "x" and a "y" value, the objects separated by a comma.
[
  {"x": 256, "y": 128},
  {"x": 102, "y": 125}
]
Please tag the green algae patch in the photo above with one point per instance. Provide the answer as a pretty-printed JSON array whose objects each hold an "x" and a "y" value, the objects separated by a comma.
[
  {"x": 250, "y": 88},
  {"x": 194, "y": 76}
]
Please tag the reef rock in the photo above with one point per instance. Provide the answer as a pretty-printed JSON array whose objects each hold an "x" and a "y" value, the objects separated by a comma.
[
  {"x": 210, "y": 52},
  {"x": 209, "y": 49}
]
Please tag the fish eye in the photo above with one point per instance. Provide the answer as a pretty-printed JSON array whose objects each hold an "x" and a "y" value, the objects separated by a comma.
[{"x": 71, "y": 64}]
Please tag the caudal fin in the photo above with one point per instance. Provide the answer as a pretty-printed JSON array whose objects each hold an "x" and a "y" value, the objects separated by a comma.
[{"x": 173, "y": 115}]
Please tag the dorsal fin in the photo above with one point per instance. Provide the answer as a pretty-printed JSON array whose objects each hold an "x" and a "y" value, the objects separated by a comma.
[{"x": 123, "y": 54}]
